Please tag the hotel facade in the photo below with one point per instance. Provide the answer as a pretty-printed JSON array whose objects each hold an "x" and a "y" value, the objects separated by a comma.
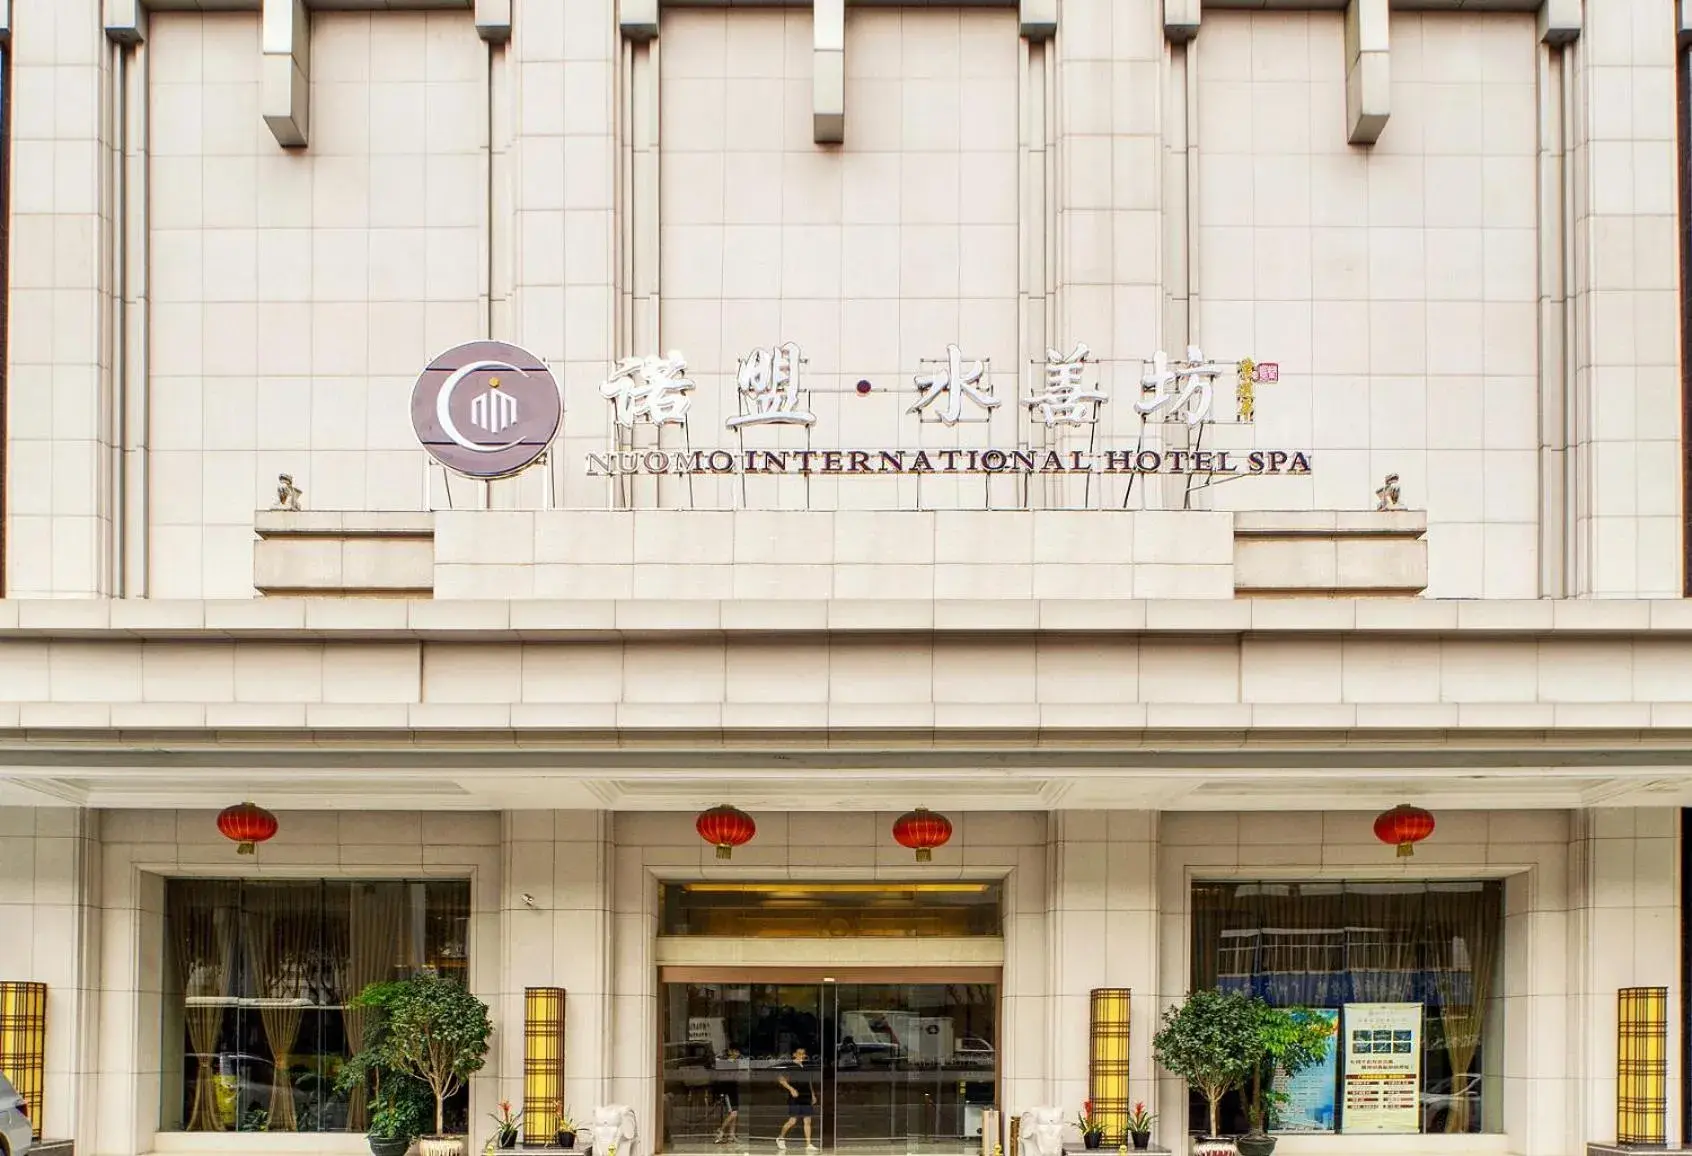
[{"x": 1037, "y": 481}]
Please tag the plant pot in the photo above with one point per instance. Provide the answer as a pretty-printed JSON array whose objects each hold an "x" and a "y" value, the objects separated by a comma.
[
  {"x": 389, "y": 1145},
  {"x": 441, "y": 1146},
  {"x": 1142, "y": 1140},
  {"x": 1255, "y": 1144},
  {"x": 1214, "y": 1146},
  {"x": 565, "y": 1139},
  {"x": 1092, "y": 1140}
]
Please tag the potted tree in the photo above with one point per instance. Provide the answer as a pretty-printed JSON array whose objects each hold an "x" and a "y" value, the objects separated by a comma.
[
  {"x": 1288, "y": 1039},
  {"x": 434, "y": 1031},
  {"x": 1211, "y": 1041},
  {"x": 399, "y": 1105}
]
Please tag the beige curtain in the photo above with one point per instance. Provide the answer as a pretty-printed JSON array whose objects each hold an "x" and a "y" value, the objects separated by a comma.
[
  {"x": 1464, "y": 933},
  {"x": 202, "y": 914},
  {"x": 1386, "y": 926},
  {"x": 281, "y": 929},
  {"x": 376, "y": 916}
]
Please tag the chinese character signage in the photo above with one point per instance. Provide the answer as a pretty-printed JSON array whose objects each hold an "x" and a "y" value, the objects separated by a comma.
[
  {"x": 487, "y": 410},
  {"x": 1383, "y": 1068}
]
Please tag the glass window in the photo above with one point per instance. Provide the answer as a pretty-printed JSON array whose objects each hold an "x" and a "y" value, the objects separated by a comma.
[
  {"x": 258, "y": 976},
  {"x": 805, "y": 910},
  {"x": 1327, "y": 943}
]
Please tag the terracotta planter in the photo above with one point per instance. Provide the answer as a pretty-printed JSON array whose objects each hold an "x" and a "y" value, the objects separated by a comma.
[{"x": 441, "y": 1146}]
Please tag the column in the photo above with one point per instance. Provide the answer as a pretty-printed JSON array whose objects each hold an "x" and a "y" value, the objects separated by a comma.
[{"x": 1623, "y": 931}]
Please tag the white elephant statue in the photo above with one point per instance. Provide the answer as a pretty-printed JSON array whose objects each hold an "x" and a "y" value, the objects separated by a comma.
[
  {"x": 614, "y": 1126},
  {"x": 1041, "y": 1132}
]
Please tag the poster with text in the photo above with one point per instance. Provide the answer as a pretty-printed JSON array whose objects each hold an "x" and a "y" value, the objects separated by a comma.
[
  {"x": 1310, "y": 1094},
  {"x": 1383, "y": 1068}
]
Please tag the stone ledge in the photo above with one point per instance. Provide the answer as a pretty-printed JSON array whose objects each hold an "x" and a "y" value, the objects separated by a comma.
[{"x": 492, "y": 620}]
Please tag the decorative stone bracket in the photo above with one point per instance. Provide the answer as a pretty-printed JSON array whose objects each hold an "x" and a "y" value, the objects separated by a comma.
[
  {"x": 1368, "y": 77},
  {"x": 638, "y": 20},
  {"x": 285, "y": 82}
]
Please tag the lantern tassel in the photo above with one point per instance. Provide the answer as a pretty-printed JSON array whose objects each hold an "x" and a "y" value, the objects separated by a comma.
[
  {"x": 724, "y": 851},
  {"x": 244, "y": 849},
  {"x": 1406, "y": 850},
  {"x": 924, "y": 855}
]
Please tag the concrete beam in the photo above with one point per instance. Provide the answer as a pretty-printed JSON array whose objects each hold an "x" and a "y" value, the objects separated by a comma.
[
  {"x": 1039, "y": 18},
  {"x": 828, "y": 73},
  {"x": 285, "y": 82},
  {"x": 1368, "y": 77},
  {"x": 638, "y": 19},
  {"x": 125, "y": 20},
  {"x": 1559, "y": 20},
  {"x": 493, "y": 20}
]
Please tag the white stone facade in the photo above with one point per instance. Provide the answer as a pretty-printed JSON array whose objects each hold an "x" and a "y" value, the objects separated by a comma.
[{"x": 239, "y": 231}]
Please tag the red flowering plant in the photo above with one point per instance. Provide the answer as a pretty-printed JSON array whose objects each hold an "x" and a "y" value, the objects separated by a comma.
[
  {"x": 1087, "y": 1122},
  {"x": 505, "y": 1125},
  {"x": 1140, "y": 1120}
]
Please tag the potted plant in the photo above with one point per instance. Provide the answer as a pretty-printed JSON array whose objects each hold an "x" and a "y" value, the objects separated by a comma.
[
  {"x": 1140, "y": 1126},
  {"x": 1288, "y": 1039},
  {"x": 505, "y": 1126},
  {"x": 434, "y": 1031},
  {"x": 1211, "y": 1041},
  {"x": 566, "y": 1136},
  {"x": 397, "y": 1114},
  {"x": 1092, "y": 1132}
]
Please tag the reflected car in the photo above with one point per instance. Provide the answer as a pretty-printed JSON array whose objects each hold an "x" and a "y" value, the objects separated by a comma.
[
  {"x": 17, "y": 1134},
  {"x": 1440, "y": 1102},
  {"x": 974, "y": 1052}
]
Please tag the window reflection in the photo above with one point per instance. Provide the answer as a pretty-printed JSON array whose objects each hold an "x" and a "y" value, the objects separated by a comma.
[
  {"x": 256, "y": 1023},
  {"x": 1327, "y": 943}
]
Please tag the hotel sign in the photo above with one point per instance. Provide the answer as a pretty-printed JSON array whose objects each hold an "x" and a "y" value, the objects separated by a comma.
[{"x": 486, "y": 409}]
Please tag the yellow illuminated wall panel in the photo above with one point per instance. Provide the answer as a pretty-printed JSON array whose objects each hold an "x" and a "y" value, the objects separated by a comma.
[
  {"x": 1642, "y": 1065},
  {"x": 23, "y": 1043},
  {"x": 1107, "y": 1061},
  {"x": 543, "y": 1062}
]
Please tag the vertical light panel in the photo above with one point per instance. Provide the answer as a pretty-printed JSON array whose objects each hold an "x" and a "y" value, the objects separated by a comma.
[
  {"x": 23, "y": 1043},
  {"x": 543, "y": 1062},
  {"x": 1107, "y": 1061},
  {"x": 1642, "y": 1065}
]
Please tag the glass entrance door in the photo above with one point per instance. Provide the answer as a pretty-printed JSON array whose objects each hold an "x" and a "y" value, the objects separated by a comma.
[{"x": 857, "y": 1067}]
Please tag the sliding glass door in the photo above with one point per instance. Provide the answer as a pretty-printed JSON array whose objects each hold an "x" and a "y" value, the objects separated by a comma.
[{"x": 855, "y": 1065}]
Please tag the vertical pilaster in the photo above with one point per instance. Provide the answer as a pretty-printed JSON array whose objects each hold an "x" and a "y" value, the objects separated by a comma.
[
  {"x": 1627, "y": 419},
  {"x": 285, "y": 84},
  {"x": 554, "y": 906},
  {"x": 1368, "y": 78},
  {"x": 1623, "y": 931},
  {"x": 828, "y": 71}
]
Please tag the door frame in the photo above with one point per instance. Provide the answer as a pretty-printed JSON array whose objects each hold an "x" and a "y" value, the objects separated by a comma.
[{"x": 821, "y": 976}]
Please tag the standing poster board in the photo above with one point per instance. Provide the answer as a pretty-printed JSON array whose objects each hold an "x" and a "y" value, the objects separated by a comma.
[
  {"x": 1383, "y": 1068},
  {"x": 1311, "y": 1093}
]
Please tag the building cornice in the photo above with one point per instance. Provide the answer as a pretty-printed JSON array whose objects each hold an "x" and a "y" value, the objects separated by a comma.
[{"x": 440, "y": 620}]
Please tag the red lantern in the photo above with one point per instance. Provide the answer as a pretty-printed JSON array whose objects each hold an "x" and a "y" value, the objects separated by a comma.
[
  {"x": 1405, "y": 826},
  {"x": 725, "y": 828},
  {"x": 922, "y": 830},
  {"x": 247, "y": 825}
]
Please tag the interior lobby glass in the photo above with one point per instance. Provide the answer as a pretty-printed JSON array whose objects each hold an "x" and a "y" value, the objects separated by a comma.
[{"x": 896, "y": 1067}]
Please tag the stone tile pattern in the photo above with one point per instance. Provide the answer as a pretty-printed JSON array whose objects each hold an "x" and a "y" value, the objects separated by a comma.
[
  {"x": 872, "y": 256},
  {"x": 296, "y": 294},
  {"x": 1395, "y": 284},
  {"x": 57, "y": 467}
]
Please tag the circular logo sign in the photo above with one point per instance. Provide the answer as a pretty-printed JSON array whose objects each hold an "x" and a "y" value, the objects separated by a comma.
[{"x": 486, "y": 409}]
